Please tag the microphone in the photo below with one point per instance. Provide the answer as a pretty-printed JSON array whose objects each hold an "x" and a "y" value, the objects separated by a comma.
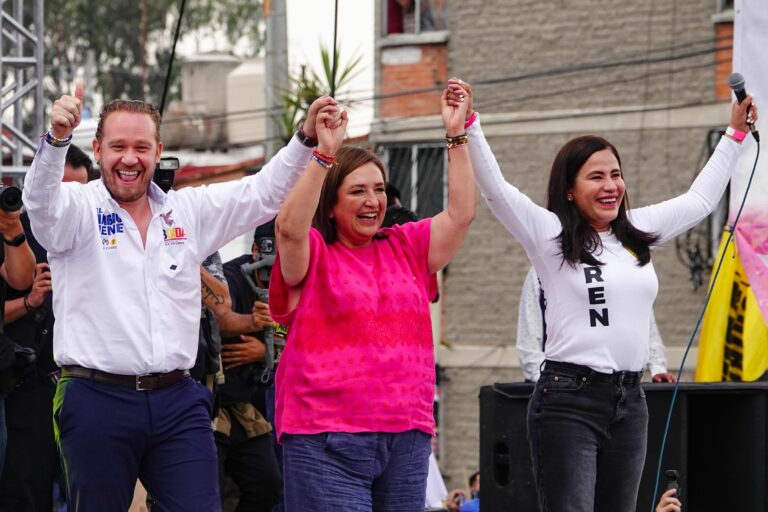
[
  {"x": 673, "y": 483},
  {"x": 736, "y": 82}
]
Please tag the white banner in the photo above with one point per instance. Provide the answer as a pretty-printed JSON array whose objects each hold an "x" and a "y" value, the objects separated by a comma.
[{"x": 750, "y": 41}]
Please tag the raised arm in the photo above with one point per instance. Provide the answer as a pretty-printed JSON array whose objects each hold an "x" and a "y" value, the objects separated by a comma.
[
  {"x": 227, "y": 210},
  {"x": 674, "y": 216},
  {"x": 295, "y": 217},
  {"x": 524, "y": 219},
  {"x": 449, "y": 227},
  {"x": 49, "y": 203}
]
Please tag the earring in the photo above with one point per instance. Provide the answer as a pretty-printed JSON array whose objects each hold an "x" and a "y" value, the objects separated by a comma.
[{"x": 570, "y": 197}]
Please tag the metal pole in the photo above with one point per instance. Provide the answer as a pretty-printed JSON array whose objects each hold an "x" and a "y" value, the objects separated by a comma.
[
  {"x": 2, "y": 81},
  {"x": 335, "y": 53},
  {"x": 18, "y": 120},
  {"x": 37, "y": 17},
  {"x": 276, "y": 71},
  {"x": 173, "y": 56}
]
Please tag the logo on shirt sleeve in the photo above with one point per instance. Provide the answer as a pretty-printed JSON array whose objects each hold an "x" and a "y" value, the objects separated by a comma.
[{"x": 173, "y": 234}]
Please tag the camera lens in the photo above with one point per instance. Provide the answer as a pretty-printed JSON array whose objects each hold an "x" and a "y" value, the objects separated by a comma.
[{"x": 10, "y": 199}]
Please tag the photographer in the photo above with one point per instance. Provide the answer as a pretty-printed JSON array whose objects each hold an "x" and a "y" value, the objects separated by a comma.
[
  {"x": 17, "y": 264},
  {"x": 243, "y": 435},
  {"x": 27, "y": 481}
]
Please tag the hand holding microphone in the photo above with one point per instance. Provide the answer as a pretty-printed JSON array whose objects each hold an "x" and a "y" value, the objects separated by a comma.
[{"x": 744, "y": 113}]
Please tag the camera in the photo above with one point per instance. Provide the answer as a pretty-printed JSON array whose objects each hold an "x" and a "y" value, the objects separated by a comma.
[
  {"x": 165, "y": 171},
  {"x": 10, "y": 198}
]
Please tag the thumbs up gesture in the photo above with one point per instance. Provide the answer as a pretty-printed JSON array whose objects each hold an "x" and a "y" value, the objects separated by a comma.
[{"x": 66, "y": 113}]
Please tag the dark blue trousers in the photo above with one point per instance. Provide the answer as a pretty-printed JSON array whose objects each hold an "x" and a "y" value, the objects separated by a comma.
[{"x": 109, "y": 436}]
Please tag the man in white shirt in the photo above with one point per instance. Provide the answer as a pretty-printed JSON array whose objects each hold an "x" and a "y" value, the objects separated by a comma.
[
  {"x": 530, "y": 335},
  {"x": 125, "y": 259}
]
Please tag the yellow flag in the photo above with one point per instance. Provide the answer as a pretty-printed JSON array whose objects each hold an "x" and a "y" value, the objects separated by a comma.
[{"x": 734, "y": 336}]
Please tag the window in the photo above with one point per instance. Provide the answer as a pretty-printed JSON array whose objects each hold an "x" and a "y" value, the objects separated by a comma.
[
  {"x": 415, "y": 16},
  {"x": 724, "y": 5},
  {"x": 418, "y": 171}
]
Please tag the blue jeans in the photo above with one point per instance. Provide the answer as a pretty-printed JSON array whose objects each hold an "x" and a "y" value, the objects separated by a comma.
[
  {"x": 588, "y": 436},
  {"x": 363, "y": 472}
]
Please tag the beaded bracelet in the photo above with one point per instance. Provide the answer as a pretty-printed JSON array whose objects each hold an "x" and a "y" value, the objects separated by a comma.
[
  {"x": 55, "y": 141},
  {"x": 459, "y": 140},
  {"x": 323, "y": 156},
  {"x": 323, "y": 163},
  {"x": 471, "y": 120}
]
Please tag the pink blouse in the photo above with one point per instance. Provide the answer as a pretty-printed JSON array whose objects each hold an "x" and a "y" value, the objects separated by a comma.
[{"x": 359, "y": 355}]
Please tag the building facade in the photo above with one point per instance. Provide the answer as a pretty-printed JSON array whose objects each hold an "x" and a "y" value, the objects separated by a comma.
[{"x": 648, "y": 76}]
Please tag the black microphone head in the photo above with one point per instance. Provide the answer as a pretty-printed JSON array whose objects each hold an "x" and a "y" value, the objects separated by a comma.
[{"x": 736, "y": 81}]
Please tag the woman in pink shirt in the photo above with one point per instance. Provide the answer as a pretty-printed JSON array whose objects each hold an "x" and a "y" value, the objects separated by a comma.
[{"x": 355, "y": 385}]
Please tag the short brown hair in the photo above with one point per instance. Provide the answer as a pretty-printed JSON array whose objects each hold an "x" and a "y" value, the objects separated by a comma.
[
  {"x": 348, "y": 159},
  {"x": 137, "y": 106}
]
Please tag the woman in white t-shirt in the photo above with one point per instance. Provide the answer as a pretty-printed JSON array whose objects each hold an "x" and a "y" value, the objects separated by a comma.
[{"x": 587, "y": 417}]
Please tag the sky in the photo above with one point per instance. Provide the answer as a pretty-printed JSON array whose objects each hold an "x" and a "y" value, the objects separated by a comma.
[{"x": 310, "y": 22}]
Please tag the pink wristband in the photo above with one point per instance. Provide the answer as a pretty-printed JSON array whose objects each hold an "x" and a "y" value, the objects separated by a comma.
[
  {"x": 471, "y": 120},
  {"x": 736, "y": 134}
]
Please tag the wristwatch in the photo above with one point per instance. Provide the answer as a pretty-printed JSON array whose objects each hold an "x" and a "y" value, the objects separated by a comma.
[
  {"x": 306, "y": 139},
  {"x": 17, "y": 241}
]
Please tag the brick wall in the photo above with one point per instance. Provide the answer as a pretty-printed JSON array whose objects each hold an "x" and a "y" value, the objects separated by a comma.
[
  {"x": 413, "y": 67},
  {"x": 723, "y": 59}
]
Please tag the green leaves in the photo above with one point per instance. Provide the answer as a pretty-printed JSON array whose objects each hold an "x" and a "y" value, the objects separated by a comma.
[
  {"x": 125, "y": 49},
  {"x": 308, "y": 85}
]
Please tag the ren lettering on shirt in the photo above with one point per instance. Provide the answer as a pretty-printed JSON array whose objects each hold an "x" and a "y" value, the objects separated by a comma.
[{"x": 596, "y": 296}]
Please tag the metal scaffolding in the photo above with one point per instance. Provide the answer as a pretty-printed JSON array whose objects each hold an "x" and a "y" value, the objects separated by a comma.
[{"x": 21, "y": 72}]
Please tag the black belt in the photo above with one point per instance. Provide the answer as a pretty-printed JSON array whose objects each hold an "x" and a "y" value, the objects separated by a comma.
[
  {"x": 138, "y": 382},
  {"x": 622, "y": 377}
]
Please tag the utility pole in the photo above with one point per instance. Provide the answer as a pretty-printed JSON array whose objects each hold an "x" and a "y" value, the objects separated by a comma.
[
  {"x": 276, "y": 64},
  {"x": 143, "y": 43},
  {"x": 21, "y": 78}
]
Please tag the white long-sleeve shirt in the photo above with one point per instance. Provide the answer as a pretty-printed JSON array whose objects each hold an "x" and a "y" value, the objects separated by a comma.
[
  {"x": 597, "y": 316},
  {"x": 530, "y": 333},
  {"x": 128, "y": 309}
]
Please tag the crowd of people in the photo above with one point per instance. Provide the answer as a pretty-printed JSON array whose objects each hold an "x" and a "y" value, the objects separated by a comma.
[{"x": 151, "y": 326}]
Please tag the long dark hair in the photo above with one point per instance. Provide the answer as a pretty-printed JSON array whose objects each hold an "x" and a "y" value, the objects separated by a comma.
[
  {"x": 348, "y": 159},
  {"x": 578, "y": 240}
]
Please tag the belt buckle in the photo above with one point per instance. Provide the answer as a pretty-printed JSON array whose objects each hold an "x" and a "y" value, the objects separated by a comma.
[{"x": 140, "y": 385}]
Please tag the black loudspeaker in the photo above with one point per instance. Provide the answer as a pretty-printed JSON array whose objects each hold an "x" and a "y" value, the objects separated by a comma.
[{"x": 718, "y": 443}]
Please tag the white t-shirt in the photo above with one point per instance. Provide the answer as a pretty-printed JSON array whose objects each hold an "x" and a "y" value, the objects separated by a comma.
[
  {"x": 597, "y": 316},
  {"x": 530, "y": 333}
]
